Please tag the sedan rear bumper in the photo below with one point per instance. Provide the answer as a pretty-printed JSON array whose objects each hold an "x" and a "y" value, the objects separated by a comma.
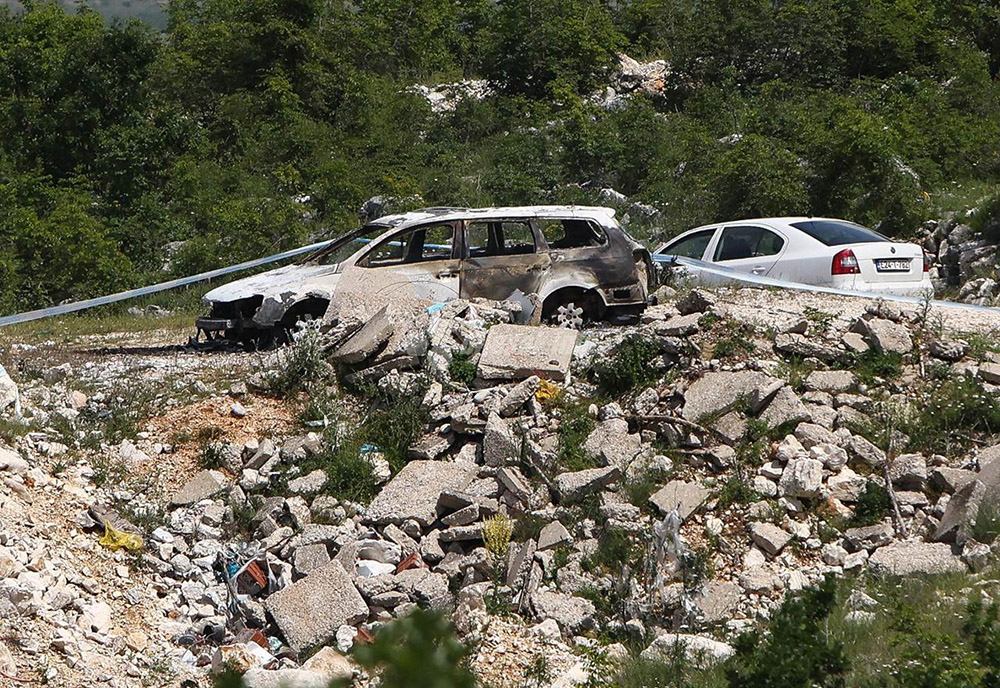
[{"x": 917, "y": 288}]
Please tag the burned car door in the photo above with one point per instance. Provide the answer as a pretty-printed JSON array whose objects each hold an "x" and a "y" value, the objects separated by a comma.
[
  {"x": 501, "y": 257},
  {"x": 421, "y": 261},
  {"x": 583, "y": 248}
]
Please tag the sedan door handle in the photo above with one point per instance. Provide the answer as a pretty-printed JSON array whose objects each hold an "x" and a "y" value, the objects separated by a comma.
[
  {"x": 446, "y": 273},
  {"x": 759, "y": 270}
]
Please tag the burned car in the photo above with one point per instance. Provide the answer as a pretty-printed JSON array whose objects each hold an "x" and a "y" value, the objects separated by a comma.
[{"x": 574, "y": 263}]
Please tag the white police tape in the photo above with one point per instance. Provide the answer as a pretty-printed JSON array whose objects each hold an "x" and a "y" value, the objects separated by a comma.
[
  {"x": 162, "y": 286},
  {"x": 696, "y": 266}
]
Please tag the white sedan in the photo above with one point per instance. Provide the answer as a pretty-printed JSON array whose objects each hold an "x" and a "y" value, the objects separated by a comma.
[{"x": 809, "y": 250}]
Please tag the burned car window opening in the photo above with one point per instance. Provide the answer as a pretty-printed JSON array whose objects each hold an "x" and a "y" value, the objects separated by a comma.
[
  {"x": 571, "y": 233},
  {"x": 416, "y": 245},
  {"x": 499, "y": 238},
  {"x": 347, "y": 246}
]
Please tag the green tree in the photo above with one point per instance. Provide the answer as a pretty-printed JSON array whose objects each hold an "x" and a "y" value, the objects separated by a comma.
[
  {"x": 758, "y": 177},
  {"x": 530, "y": 45}
]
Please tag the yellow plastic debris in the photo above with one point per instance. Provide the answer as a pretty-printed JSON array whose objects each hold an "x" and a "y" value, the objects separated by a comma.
[
  {"x": 547, "y": 392},
  {"x": 116, "y": 539}
]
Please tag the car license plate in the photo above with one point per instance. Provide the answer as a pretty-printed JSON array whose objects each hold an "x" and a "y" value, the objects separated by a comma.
[{"x": 892, "y": 265}]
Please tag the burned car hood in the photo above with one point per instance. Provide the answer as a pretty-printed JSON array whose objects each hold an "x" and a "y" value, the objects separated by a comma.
[{"x": 292, "y": 280}]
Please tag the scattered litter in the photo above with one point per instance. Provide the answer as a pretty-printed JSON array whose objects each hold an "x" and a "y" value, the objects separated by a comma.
[{"x": 117, "y": 539}]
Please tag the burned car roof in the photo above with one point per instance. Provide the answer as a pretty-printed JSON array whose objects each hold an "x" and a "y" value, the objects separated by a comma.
[{"x": 401, "y": 220}]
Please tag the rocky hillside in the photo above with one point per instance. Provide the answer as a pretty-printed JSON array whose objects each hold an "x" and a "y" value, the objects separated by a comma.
[{"x": 575, "y": 497}]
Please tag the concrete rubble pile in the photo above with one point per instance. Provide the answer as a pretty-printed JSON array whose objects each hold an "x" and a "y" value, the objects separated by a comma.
[{"x": 318, "y": 571}]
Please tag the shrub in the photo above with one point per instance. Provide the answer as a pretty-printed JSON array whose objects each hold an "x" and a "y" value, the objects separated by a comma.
[
  {"x": 872, "y": 506},
  {"x": 299, "y": 364},
  {"x": 419, "y": 650},
  {"x": 628, "y": 367},
  {"x": 796, "y": 652},
  {"x": 212, "y": 455},
  {"x": 733, "y": 345},
  {"x": 875, "y": 364},
  {"x": 461, "y": 369},
  {"x": 986, "y": 220},
  {"x": 759, "y": 177}
]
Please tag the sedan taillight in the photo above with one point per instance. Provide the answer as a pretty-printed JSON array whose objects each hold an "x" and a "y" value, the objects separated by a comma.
[
  {"x": 845, "y": 263},
  {"x": 927, "y": 262}
]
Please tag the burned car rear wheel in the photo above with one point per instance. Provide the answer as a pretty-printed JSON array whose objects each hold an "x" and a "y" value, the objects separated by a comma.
[{"x": 572, "y": 308}]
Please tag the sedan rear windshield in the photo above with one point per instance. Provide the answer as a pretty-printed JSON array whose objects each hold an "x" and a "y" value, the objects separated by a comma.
[{"x": 838, "y": 232}]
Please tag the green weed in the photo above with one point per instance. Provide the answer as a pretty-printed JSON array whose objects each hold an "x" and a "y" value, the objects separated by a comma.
[
  {"x": 462, "y": 370},
  {"x": 628, "y": 367},
  {"x": 872, "y": 506}
]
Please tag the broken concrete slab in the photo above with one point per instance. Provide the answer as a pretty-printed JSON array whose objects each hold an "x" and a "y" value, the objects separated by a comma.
[
  {"x": 611, "y": 442},
  {"x": 685, "y": 497},
  {"x": 884, "y": 336},
  {"x": 413, "y": 493},
  {"x": 554, "y": 535},
  {"x": 718, "y": 601},
  {"x": 717, "y": 392},
  {"x": 501, "y": 445},
  {"x": 9, "y": 395},
  {"x": 831, "y": 381},
  {"x": 310, "y": 611},
  {"x": 961, "y": 510},
  {"x": 202, "y": 485},
  {"x": 802, "y": 478},
  {"x": 914, "y": 557},
  {"x": 769, "y": 537},
  {"x": 573, "y": 614},
  {"x": 366, "y": 341},
  {"x": 700, "y": 650},
  {"x": 515, "y": 352},
  {"x": 785, "y": 409},
  {"x": 578, "y": 484}
]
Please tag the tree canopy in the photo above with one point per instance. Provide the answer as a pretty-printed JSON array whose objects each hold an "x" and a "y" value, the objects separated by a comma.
[{"x": 249, "y": 126}]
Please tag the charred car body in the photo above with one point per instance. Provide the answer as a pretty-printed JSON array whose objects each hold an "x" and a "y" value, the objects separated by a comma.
[{"x": 578, "y": 261}]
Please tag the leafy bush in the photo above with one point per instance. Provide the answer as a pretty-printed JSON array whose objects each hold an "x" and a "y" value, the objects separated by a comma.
[
  {"x": 872, "y": 506},
  {"x": 419, "y": 650},
  {"x": 462, "y": 370},
  {"x": 388, "y": 427},
  {"x": 628, "y": 367},
  {"x": 298, "y": 365},
  {"x": 550, "y": 48},
  {"x": 986, "y": 220},
  {"x": 796, "y": 651},
  {"x": 758, "y": 177},
  {"x": 876, "y": 364}
]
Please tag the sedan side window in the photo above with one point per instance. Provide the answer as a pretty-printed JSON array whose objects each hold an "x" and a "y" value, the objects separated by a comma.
[
  {"x": 499, "y": 238},
  {"x": 692, "y": 246},
  {"x": 414, "y": 246},
  {"x": 747, "y": 242},
  {"x": 571, "y": 233}
]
